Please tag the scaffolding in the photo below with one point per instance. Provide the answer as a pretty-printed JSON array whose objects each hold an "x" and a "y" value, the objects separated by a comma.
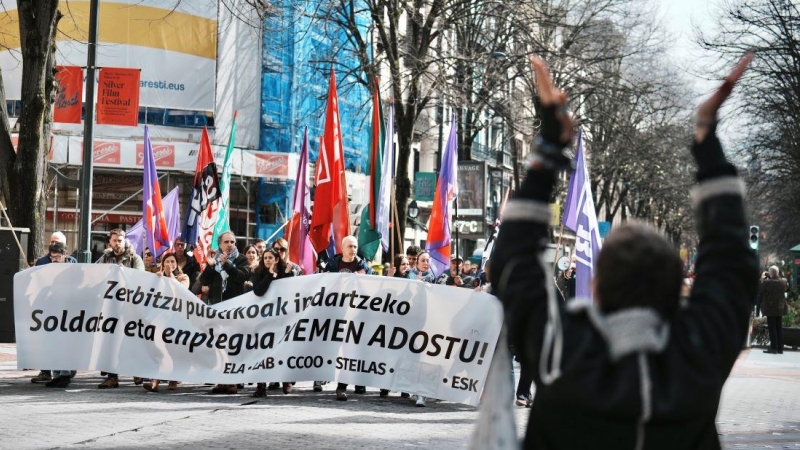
[{"x": 294, "y": 85}]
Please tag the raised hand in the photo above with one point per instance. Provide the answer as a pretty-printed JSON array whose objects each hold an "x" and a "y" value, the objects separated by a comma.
[
  {"x": 557, "y": 129},
  {"x": 707, "y": 111}
]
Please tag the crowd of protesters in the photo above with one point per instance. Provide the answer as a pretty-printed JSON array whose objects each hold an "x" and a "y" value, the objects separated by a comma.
[{"x": 229, "y": 273}]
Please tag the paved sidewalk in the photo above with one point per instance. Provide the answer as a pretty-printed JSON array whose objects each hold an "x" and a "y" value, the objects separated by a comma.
[
  {"x": 760, "y": 406},
  {"x": 760, "y": 409}
]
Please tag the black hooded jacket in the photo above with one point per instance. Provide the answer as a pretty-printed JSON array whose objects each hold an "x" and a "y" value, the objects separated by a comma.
[{"x": 629, "y": 380}]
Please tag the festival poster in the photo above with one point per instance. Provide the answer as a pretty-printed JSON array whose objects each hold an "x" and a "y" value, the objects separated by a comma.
[
  {"x": 118, "y": 96},
  {"x": 69, "y": 95}
]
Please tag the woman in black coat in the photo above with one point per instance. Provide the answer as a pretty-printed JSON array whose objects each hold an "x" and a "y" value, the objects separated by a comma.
[{"x": 270, "y": 268}]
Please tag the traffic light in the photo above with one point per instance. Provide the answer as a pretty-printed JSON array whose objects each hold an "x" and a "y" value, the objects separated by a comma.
[{"x": 754, "y": 237}]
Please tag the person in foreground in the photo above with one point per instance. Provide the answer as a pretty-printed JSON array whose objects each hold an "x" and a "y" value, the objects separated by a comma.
[{"x": 632, "y": 370}]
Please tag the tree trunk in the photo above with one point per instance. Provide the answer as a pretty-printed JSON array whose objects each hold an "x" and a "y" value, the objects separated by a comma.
[{"x": 27, "y": 171}]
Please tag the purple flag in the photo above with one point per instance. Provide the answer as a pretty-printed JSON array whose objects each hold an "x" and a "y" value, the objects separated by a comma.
[
  {"x": 156, "y": 235},
  {"x": 446, "y": 191},
  {"x": 570, "y": 219},
  {"x": 173, "y": 216},
  {"x": 581, "y": 218}
]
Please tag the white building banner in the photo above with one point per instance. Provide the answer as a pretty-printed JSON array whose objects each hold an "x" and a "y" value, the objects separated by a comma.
[{"x": 382, "y": 332}]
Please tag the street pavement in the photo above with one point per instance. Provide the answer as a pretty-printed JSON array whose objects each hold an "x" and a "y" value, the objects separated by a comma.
[{"x": 760, "y": 408}]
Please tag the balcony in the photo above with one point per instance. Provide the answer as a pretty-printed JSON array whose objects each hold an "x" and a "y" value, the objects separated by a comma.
[
  {"x": 481, "y": 152},
  {"x": 495, "y": 158}
]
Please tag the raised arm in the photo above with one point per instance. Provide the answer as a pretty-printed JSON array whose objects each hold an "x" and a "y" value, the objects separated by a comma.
[
  {"x": 726, "y": 270},
  {"x": 518, "y": 277}
]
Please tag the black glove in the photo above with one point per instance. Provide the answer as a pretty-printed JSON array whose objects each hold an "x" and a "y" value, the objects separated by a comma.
[
  {"x": 548, "y": 151},
  {"x": 711, "y": 160}
]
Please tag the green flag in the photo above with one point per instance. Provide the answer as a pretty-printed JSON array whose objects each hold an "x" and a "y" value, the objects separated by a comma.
[
  {"x": 369, "y": 240},
  {"x": 224, "y": 217}
]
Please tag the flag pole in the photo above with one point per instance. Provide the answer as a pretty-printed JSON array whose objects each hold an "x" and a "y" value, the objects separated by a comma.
[
  {"x": 396, "y": 223},
  {"x": 392, "y": 215},
  {"x": 455, "y": 221},
  {"x": 558, "y": 245}
]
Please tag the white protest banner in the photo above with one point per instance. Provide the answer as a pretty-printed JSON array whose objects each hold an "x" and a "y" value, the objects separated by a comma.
[{"x": 383, "y": 332}]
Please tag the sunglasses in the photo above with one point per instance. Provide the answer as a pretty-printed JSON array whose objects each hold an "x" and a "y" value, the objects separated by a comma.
[
  {"x": 148, "y": 254},
  {"x": 280, "y": 249}
]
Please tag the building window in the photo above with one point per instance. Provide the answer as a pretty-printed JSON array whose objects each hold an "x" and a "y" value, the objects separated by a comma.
[{"x": 14, "y": 107}]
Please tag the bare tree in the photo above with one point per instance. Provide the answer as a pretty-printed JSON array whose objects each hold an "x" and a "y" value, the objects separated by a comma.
[
  {"x": 23, "y": 172},
  {"x": 769, "y": 106},
  {"x": 404, "y": 32}
]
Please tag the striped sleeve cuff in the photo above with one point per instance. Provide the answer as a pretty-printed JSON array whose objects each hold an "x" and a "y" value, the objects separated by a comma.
[
  {"x": 520, "y": 210},
  {"x": 716, "y": 187}
]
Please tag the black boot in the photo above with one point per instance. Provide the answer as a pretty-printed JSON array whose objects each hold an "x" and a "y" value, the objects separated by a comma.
[{"x": 60, "y": 382}]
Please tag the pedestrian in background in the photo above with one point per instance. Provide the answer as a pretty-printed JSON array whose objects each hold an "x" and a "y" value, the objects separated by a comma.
[
  {"x": 253, "y": 261},
  {"x": 772, "y": 294},
  {"x": 57, "y": 236},
  {"x": 150, "y": 264},
  {"x": 411, "y": 253}
]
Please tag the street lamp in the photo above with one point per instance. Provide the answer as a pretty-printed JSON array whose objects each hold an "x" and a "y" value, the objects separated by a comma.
[{"x": 413, "y": 209}]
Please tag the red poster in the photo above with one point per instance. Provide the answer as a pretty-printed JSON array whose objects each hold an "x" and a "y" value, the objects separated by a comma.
[
  {"x": 118, "y": 96},
  {"x": 275, "y": 165},
  {"x": 69, "y": 97},
  {"x": 164, "y": 154}
]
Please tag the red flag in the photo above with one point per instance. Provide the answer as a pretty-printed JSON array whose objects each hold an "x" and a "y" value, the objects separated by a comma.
[
  {"x": 330, "y": 198},
  {"x": 375, "y": 160}
]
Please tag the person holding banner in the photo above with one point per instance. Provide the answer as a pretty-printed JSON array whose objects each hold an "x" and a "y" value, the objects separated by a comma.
[
  {"x": 270, "y": 268},
  {"x": 632, "y": 370},
  {"x": 186, "y": 261},
  {"x": 422, "y": 270},
  {"x": 224, "y": 277},
  {"x": 119, "y": 252},
  {"x": 226, "y": 270},
  {"x": 282, "y": 246},
  {"x": 348, "y": 262},
  {"x": 57, "y": 253},
  {"x": 169, "y": 269},
  {"x": 400, "y": 268}
]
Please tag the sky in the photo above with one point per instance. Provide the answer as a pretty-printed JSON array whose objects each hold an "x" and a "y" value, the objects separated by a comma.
[{"x": 680, "y": 16}]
